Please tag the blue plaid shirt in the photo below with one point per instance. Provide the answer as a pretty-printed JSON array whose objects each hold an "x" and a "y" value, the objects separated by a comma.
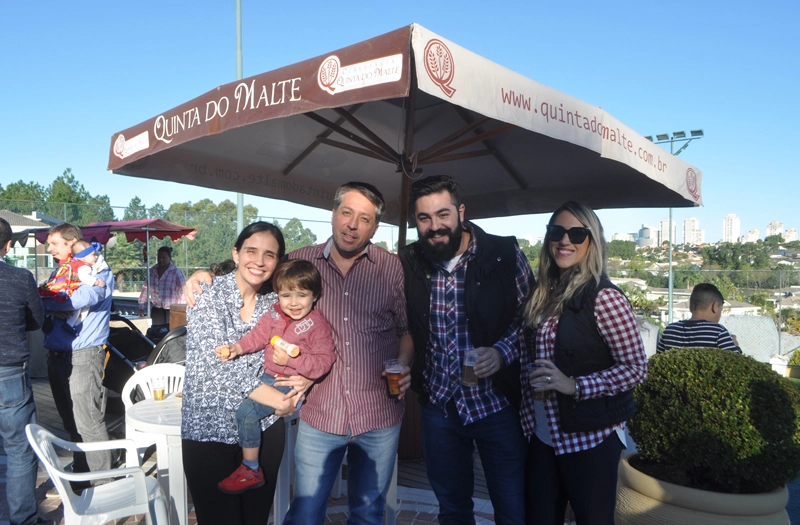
[{"x": 450, "y": 338}]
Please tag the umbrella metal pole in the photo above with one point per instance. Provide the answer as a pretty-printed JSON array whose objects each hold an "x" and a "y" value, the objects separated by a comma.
[
  {"x": 147, "y": 269},
  {"x": 408, "y": 146},
  {"x": 669, "y": 300},
  {"x": 239, "y": 196},
  {"x": 401, "y": 235}
]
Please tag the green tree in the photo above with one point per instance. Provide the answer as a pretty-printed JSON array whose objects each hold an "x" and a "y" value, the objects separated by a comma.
[
  {"x": 762, "y": 299},
  {"x": 383, "y": 244},
  {"x": 727, "y": 288},
  {"x": 729, "y": 256},
  {"x": 641, "y": 304},
  {"x": 216, "y": 229},
  {"x": 135, "y": 211},
  {"x": 623, "y": 249},
  {"x": 32, "y": 194},
  {"x": 157, "y": 212},
  {"x": 296, "y": 236},
  {"x": 532, "y": 253},
  {"x": 67, "y": 198},
  {"x": 686, "y": 275},
  {"x": 773, "y": 242},
  {"x": 791, "y": 320}
]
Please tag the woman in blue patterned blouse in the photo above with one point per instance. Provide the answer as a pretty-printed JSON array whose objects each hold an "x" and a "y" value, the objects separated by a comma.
[{"x": 213, "y": 389}]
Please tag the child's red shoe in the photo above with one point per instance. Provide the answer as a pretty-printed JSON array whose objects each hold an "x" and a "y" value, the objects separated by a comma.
[{"x": 242, "y": 479}]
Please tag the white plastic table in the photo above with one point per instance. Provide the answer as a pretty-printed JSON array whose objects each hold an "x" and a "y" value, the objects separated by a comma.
[{"x": 164, "y": 417}]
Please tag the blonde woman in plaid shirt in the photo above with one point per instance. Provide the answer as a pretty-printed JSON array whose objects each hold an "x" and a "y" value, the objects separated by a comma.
[
  {"x": 167, "y": 282},
  {"x": 582, "y": 334}
]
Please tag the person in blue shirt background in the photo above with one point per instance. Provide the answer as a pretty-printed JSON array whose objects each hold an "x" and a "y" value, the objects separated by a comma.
[{"x": 75, "y": 361}]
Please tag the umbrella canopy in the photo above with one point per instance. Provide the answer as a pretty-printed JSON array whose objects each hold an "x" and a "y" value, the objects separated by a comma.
[
  {"x": 140, "y": 229},
  {"x": 144, "y": 228},
  {"x": 399, "y": 106}
]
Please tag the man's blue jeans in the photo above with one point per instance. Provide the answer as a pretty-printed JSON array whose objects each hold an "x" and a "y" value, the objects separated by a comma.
[
  {"x": 76, "y": 379},
  {"x": 16, "y": 411},
  {"x": 448, "y": 447},
  {"x": 318, "y": 459}
]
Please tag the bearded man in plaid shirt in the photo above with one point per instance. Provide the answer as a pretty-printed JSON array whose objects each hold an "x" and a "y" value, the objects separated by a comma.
[{"x": 464, "y": 289}]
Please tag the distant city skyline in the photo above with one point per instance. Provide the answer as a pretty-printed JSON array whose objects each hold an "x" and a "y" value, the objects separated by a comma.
[{"x": 731, "y": 232}]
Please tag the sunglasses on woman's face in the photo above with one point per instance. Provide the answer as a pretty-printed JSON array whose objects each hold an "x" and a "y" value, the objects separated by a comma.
[{"x": 576, "y": 234}]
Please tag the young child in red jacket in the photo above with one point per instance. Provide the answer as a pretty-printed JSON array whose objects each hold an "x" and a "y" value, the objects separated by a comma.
[{"x": 292, "y": 326}]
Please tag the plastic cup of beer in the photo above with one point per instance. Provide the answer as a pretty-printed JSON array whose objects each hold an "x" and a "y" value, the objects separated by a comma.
[
  {"x": 468, "y": 377},
  {"x": 538, "y": 395},
  {"x": 158, "y": 384},
  {"x": 394, "y": 372}
]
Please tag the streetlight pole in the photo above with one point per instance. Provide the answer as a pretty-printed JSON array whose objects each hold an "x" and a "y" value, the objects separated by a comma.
[
  {"x": 239, "y": 195},
  {"x": 677, "y": 136}
]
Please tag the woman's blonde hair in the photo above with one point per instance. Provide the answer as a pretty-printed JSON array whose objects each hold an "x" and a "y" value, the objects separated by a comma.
[{"x": 553, "y": 290}]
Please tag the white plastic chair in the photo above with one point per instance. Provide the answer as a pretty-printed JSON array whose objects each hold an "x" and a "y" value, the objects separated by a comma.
[
  {"x": 134, "y": 493},
  {"x": 173, "y": 375}
]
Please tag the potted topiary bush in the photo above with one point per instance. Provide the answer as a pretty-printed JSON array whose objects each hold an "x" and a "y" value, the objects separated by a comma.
[{"x": 718, "y": 434}]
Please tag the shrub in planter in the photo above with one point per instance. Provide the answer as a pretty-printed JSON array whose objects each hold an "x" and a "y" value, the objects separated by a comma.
[{"x": 716, "y": 420}]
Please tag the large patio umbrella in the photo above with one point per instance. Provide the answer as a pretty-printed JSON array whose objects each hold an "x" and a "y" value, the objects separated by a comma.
[{"x": 399, "y": 106}]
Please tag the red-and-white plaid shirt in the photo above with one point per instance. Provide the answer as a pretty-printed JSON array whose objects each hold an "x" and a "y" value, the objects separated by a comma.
[
  {"x": 617, "y": 325},
  {"x": 167, "y": 290}
]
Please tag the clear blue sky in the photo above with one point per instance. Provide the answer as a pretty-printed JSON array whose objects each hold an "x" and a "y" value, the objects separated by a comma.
[{"x": 73, "y": 73}]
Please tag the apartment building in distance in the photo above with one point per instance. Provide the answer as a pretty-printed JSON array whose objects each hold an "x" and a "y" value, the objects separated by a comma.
[
  {"x": 774, "y": 228},
  {"x": 692, "y": 234},
  {"x": 731, "y": 228},
  {"x": 751, "y": 236},
  {"x": 648, "y": 237},
  {"x": 663, "y": 232}
]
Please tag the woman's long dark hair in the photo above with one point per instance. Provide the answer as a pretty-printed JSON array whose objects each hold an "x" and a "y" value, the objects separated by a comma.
[{"x": 258, "y": 227}]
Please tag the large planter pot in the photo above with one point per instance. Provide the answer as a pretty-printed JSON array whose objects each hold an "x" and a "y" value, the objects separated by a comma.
[
  {"x": 644, "y": 500},
  {"x": 792, "y": 371}
]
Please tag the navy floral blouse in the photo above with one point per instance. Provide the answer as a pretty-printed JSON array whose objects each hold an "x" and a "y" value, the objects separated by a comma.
[{"x": 213, "y": 389}]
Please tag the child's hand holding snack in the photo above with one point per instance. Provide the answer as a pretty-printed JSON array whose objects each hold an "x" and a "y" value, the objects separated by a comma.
[{"x": 228, "y": 352}]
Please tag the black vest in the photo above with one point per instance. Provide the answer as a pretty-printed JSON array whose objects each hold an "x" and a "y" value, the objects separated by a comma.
[
  {"x": 580, "y": 350},
  {"x": 491, "y": 305}
]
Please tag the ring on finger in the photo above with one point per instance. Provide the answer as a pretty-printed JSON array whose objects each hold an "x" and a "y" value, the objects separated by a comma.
[{"x": 549, "y": 379}]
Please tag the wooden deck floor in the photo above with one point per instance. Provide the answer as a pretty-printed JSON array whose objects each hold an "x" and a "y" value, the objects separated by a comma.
[{"x": 410, "y": 473}]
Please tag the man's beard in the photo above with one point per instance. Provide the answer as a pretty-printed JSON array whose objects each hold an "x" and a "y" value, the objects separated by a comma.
[{"x": 442, "y": 251}]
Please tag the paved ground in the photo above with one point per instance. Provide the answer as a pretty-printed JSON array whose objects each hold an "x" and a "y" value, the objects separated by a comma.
[{"x": 414, "y": 506}]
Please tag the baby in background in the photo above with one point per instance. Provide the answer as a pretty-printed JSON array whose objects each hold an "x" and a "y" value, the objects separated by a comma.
[
  {"x": 290, "y": 324},
  {"x": 81, "y": 269},
  {"x": 89, "y": 254}
]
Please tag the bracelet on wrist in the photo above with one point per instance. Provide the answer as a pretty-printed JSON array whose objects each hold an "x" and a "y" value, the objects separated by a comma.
[{"x": 577, "y": 395}]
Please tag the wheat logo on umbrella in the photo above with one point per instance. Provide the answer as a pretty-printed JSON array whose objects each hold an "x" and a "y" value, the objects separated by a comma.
[
  {"x": 439, "y": 65},
  {"x": 328, "y": 73}
]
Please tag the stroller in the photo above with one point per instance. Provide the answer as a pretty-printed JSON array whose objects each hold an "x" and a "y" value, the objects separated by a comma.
[{"x": 128, "y": 350}]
